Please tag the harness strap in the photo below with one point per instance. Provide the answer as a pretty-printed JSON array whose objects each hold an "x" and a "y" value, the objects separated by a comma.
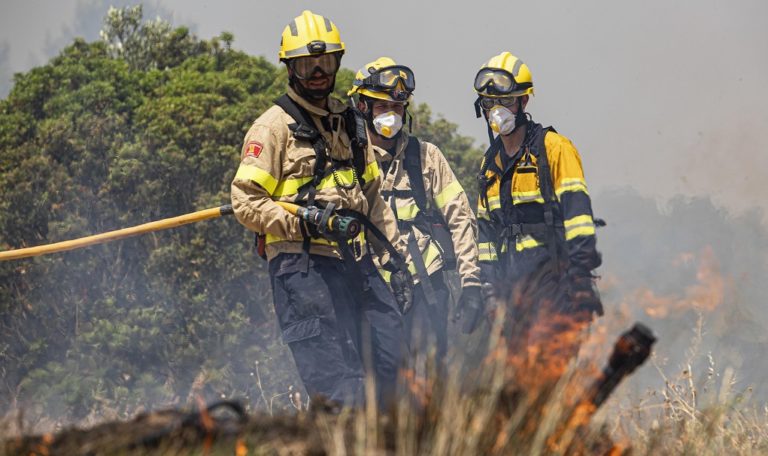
[
  {"x": 396, "y": 258},
  {"x": 304, "y": 129},
  {"x": 553, "y": 238},
  {"x": 412, "y": 164},
  {"x": 421, "y": 270},
  {"x": 482, "y": 179}
]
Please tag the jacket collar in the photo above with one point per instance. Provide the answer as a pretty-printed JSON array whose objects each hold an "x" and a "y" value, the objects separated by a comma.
[{"x": 400, "y": 145}]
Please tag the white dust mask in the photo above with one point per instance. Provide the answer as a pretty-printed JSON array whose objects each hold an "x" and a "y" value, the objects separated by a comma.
[
  {"x": 501, "y": 120},
  {"x": 388, "y": 124}
]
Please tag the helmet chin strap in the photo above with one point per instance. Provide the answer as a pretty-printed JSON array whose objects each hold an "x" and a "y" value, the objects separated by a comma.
[{"x": 521, "y": 118}]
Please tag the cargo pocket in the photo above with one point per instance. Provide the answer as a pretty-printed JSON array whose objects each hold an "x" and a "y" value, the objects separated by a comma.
[
  {"x": 525, "y": 185},
  {"x": 302, "y": 330}
]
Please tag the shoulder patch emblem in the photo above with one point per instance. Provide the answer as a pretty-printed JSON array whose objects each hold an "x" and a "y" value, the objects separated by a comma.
[{"x": 253, "y": 149}]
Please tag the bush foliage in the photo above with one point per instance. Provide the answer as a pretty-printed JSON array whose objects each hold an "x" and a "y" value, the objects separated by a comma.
[{"x": 146, "y": 123}]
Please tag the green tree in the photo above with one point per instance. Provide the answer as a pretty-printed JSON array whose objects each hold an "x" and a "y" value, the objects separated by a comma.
[
  {"x": 146, "y": 123},
  {"x": 97, "y": 140},
  {"x": 462, "y": 154}
]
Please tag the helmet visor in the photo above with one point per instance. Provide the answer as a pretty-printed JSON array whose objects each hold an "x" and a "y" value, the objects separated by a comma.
[
  {"x": 488, "y": 103},
  {"x": 387, "y": 79},
  {"x": 326, "y": 64},
  {"x": 495, "y": 81}
]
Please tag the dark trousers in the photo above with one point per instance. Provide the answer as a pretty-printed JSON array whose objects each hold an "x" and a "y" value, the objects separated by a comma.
[
  {"x": 540, "y": 309},
  {"x": 332, "y": 322},
  {"x": 427, "y": 325}
]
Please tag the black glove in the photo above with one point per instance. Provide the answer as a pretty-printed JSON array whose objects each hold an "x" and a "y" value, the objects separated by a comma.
[
  {"x": 584, "y": 295},
  {"x": 402, "y": 287},
  {"x": 470, "y": 309}
]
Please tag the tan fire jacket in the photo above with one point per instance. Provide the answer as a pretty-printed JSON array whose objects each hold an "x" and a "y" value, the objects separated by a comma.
[
  {"x": 445, "y": 194},
  {"x": 274, "y": 165}
]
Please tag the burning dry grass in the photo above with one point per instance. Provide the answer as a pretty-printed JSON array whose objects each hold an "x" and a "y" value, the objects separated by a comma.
[
  {"x": 685, "y": 417},
  {"x": 524, "y": 392}
]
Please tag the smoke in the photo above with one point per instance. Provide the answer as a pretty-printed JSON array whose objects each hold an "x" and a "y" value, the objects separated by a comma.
[
  {"x": 693, "y": 272},
  {"x": 5, "y": 69}
]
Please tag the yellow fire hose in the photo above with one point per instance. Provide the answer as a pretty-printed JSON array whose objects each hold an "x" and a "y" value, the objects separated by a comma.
[{"x": 334, "y": 223}]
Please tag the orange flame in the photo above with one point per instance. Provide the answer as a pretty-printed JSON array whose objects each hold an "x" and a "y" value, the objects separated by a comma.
[
  {"x": 705, "y": 295},
  {"x": 419, "y": 387}
]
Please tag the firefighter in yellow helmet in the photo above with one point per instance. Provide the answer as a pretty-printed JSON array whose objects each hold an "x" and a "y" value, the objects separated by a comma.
[
  {"x": 312, "y": 150},
  {"x": 433, "y": 213},
  {"x": 534, "y": 213}
]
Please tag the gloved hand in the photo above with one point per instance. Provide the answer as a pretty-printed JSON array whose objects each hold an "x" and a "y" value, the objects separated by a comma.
[
  {"x": 584, "y": 294},
  {"x": 470, "y": 309},
  {"x": 402, "y": 287}
]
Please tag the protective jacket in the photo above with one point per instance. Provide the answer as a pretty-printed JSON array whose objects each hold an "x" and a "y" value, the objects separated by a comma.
[
  {"x": 275, "y": 166},
  {"x": 447, "y": 202},
  {"x": 535, "y": 205}
]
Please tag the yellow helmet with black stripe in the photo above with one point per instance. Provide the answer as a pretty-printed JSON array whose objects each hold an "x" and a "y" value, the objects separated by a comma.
[
  {"x": 384, "y": 79},
  {"x": 310, "y": 34},
  {"x": 504, "y": 75}
]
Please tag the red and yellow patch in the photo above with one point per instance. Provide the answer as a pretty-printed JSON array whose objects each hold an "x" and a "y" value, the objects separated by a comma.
[{"x": 253, "y": 148}]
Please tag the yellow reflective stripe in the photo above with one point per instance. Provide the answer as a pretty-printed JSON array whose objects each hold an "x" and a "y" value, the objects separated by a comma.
[
  {"x": 407, "y": 212},
  {"x": 494, "y": 202},
  {"x": 371, "y": 171},
  {"x": 270, "y": 238},
  {"x": 526, "y": 242},
  {"x": 385, "y": 274},
  {"x": 428, "y": 257},
  {"x": 571, "y": 185},
  {"x": 578, "y": 220},
  {"x": 527, "y": 197},
  {"x": 587, "y": 230},
  {"x": 291, "y": 186},
  {"x": 448, "y": 194},
  {"x": 258, "y": 175},
  {"x": 487, "y": 251},
  {"x": 581, "y": 225}
]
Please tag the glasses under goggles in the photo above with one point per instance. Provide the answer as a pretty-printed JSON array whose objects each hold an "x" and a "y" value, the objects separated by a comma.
[
  {"x": 387, "y": 79},
  {"x": 495, "y": 81},
  {"x": 325, "y": 64},
  {"x": 488, "y": 103}
]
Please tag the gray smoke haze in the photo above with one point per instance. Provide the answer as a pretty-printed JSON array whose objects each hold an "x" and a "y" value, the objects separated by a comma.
[
  {"x": 665, "y": 100},
  {"x": 5, "y": 69},
  {"x": 673, "y": 265}
]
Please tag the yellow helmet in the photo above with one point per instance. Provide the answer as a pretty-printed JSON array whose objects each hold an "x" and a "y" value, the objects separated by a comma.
[
  {"x": 383, "y": 79},
  {"x": 310, "y": 34},
  {"x": 504, "y": 75}
]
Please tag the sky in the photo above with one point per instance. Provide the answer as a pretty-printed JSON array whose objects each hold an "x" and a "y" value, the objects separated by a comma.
[{"x": 664, "y": 97}]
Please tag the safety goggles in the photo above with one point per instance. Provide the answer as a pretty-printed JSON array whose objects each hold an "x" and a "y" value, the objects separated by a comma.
[
  {"x": 495, "y": 81},
  {"x": 326, "y": 64},
  {"x": 387, "y": 79},
  {"x": 488, "y": 103}
]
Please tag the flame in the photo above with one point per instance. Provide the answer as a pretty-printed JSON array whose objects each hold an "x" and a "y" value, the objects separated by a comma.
[
  {"x": 419, "y": 387},
  {"x": 241, "y": 449},
  {"x": 705, "y": 295},
  {"x": 207, "y": 421},
  {"x": 539, "y": 346}
]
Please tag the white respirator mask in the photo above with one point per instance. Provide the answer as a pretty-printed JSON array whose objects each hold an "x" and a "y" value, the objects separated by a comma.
[
  {"x": 388, "y": 124},
  {"x": 501, "y": 120}
]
